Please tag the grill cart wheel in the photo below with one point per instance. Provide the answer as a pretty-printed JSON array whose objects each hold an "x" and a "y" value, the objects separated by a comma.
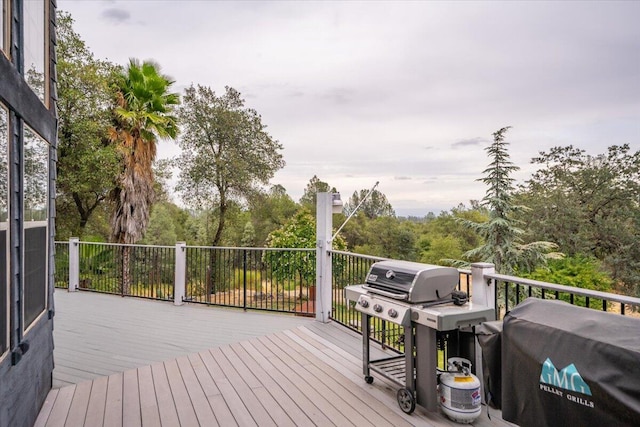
[
  {"x": 406, "y": 401},
  {"x": 368, "y": 379}
]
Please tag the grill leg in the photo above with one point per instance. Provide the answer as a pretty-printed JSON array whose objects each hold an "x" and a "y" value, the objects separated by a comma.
[
  {"x": 409, "y": 362},
  {"x": 366, "y": 329},
  {"x": 426, "y": 362}
]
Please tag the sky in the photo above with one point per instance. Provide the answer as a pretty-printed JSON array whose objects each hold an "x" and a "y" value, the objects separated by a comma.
[{"x": 404, "y": 93}]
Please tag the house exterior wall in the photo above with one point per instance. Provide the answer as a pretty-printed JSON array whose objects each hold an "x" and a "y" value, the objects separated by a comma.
[{"x": 28, "y": 99}]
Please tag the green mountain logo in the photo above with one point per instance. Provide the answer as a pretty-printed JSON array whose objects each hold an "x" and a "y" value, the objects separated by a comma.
[{"x": 567, "y": 378}]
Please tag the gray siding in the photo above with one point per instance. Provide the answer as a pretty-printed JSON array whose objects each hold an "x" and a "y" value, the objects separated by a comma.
[{"x": 24, "y": 386}]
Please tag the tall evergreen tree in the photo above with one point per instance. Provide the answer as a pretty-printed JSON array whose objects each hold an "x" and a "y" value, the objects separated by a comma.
[{"x": 502, "y": 235}]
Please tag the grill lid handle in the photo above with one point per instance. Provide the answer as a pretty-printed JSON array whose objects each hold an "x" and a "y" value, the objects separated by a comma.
[{"x": 398, "y": 296}]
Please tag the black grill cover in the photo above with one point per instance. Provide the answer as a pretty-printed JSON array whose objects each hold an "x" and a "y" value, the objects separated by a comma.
[
  {"x": 570, "y": 366},
  {"x": 489, "y": 336}
]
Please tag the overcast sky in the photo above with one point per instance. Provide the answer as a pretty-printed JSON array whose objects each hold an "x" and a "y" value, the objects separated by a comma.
[{"x": 405, "y": 93}]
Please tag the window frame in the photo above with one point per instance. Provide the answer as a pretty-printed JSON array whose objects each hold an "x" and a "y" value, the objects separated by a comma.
[
  {"x": 5, "y": 11},
  {"x": 4, "y": 226},
  {"x": 41, "y": 223}
]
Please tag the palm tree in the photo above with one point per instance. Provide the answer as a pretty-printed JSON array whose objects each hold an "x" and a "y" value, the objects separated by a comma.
[{"x": 143, "y": 113}]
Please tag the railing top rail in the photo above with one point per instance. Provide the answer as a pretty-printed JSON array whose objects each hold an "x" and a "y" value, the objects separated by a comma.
[
  {"x": 252, "y": 248},
  {"x": 124, "y": 244},
  {"x": 623, "y": 299},
  {"x": 371, "y": 257}
]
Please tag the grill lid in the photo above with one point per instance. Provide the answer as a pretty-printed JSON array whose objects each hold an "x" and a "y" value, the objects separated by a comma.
[{"x": 412, "y": 281}]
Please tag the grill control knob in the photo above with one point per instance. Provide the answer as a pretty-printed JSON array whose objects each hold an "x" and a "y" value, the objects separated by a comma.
[
  {"x": 364, "y": 303},
  {"x": 392, "y": 313},
  {"x": 377, "y": 308}
]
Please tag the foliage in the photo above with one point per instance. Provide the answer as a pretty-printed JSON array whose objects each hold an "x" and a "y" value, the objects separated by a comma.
[
  {"x": 590, "y": 206},
  {"x": 270, "y": 211},
  {"x": 161, "y": 229},
  {"x": 310, "y": 195},
  {"x": 299, "y": 232},
  {"x": 503, "y": 244},
  {"x": 143, "y": 113},
  {"x": 374, "y": 206},
  {"x": 440, "y": 248},
  {"x": 226, "y": 152},
  {"x": 576, "y": 271},
  {"x": 445, "y": 238},
  {"x": 389, "y": 238},
  {"x": 87, "y": 162}
]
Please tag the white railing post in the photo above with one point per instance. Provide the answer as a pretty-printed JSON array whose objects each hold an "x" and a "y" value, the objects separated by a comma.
[
  {"x": 323, "y": 256},
  {"x": 482, "y": 292},
  {"x": 74, "y": 263},
  {"x": 180, "y": 273}
]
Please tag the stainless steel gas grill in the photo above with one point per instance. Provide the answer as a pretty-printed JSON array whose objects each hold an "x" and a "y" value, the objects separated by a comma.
[{"x": 422, "y": 299}]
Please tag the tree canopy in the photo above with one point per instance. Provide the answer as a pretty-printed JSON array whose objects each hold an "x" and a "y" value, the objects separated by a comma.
[
  {"x": 590, "y": 206},
  {"x": 87, "y": 161},
  {"x": 227, "y": 153},
  {"x": 143, "y": 113},
  {"x": 374, "y": 206},
  {"x": 310, "y": 195}
]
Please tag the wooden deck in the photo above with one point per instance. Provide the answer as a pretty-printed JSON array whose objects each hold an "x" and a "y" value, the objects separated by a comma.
[
  {"x": 310, "y": 374},
  {"x": 97, "y": 335}
]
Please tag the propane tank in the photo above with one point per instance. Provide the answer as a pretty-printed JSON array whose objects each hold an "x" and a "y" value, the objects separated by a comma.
[{"x": 459, "y": 391}]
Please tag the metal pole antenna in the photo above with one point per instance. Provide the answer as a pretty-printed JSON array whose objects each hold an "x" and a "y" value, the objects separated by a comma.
[{"x": 355, "y": 210}]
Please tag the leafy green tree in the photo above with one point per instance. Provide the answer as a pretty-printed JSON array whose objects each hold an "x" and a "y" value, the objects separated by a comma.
[
  {"x": 440, "y": 248},
  {"x": 310, "y": 195},
  {"x": 374, "y": 206},
  {"x": 269, "y": 211},
  {"x": 577, "y": 271},
  {"x": 502, "y": 236},
  {"x": 143, "y": 113},
  {"x": 590, "y": 205},
  {"x": 248, "y": 235},
  {"x": 87, "y": 162},
  {"x": 226, "y": 152},
  {"x": 298, "y": 232},
  {"x": 161, "y": 229},
  {"x": 388, "y": 237}
]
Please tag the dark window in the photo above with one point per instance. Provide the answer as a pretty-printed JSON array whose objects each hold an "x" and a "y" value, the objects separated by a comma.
[
  {"x": 34, "y": 46},
  {"x": 35, "y": 273},
  {"x": 36, "y": 191},
  {"x": 4, "y": 326}
]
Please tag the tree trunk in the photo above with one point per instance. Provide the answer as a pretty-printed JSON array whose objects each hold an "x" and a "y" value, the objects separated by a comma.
[{"x": 126, "y": 271}]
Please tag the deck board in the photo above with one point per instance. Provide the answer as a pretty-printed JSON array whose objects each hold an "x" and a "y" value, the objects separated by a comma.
[
  {"x": 203, "y": 411},
  {"x": 149, "y": 411},
  {"x": 113, "y": 403},
  {"x": 166, "y": 405},
  {"x": 131, "y": 410},
  {"x": 223, "y": 415},
  {"x": 97, "y": 401},
  {"x": 307, "y": 375}
]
